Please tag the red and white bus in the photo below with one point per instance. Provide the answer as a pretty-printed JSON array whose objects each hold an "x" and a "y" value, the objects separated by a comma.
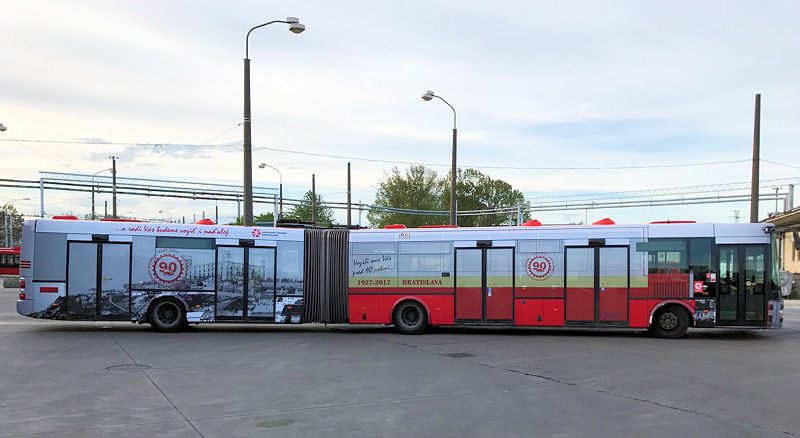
[
  {"x": 9, "y": 261},
  {"x": 662, "y": 276}
]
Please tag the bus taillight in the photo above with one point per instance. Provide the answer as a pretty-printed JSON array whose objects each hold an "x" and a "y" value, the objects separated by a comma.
[{"x": 21, "y": 289}]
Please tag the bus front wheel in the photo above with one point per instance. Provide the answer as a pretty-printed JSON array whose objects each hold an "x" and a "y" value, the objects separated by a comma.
[
  {"x": 670, "y": 322},
  {"x": 168, "y": 315},
  {"x": 410, "y": 318}
]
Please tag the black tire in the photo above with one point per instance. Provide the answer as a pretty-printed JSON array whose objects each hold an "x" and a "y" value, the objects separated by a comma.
[
  {"x": 410, "y": 318},
  {"x": 670, "y": 322},
  {"x": 168, "y": 315}
]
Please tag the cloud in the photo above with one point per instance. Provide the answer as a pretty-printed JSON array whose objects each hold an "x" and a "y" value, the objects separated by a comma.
[{"x": 535, "y": 84}]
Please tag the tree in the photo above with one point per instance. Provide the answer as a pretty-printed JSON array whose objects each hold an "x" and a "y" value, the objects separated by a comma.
[
  {"x": 477, "y": 191},
  {"x": 15, "y": 221},
  {"x": 419, "y": 189},
  {"x": 263, "y": 217},
  {"x": 302, "y": 212}
]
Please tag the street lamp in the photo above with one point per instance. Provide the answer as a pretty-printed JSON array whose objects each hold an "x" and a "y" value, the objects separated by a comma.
[
  {"x": 8, "y": 235},
  {"x": 2, "y": 128},
  {"x": 426, "y": 97},
  {"x": 280, "y": 190},
  {"x": 167, "y": 213},
  {"x": 296, "y": 27},
  {"x": 94, "y": 217}
]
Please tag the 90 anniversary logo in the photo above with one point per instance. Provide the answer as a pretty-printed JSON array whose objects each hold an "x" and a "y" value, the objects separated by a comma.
[
  {"x": 539, "y": 267},
  {"x": 166, "y": 268}
]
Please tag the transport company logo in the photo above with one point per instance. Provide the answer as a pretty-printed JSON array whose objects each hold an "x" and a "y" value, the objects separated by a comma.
[
  {"x": 166, "y": 268},
  {"x": 539, "y": 267},
  {"x": 256, "y": 232}
]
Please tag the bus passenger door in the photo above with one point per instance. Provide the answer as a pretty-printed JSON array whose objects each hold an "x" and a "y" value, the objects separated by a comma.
[
  {"x": 597, "y": 285},
  {"x": 245, "y": 283},
  {"x": 742, "y": 285},
  {"x": 115, "y": 274},
  {"x": 98, "y": 280},
  {"x": 469, "y": 284},
  {"x": 484, "y": 285}
]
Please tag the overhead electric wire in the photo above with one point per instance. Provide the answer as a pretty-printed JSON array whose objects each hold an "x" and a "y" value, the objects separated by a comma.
[{"x": 377, "y": 160}]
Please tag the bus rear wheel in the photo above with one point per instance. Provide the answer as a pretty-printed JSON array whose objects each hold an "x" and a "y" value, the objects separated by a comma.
[
  {"x": 168, "y": 315},
  {"x": 670, "y": 322},
  {"x": 410, "y": 318}
]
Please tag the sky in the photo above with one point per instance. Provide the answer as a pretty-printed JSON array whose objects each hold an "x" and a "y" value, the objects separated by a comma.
[{"x": 534, "y": 84}]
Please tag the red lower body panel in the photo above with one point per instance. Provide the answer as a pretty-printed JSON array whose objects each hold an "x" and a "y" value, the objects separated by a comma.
[
  {"x": 377, "y": 309},
  {"x": 469, "y": 302},
  {"x": 500, "y": 303},
  {"x": 613, "y": 304},
  {"x": 538, "y": 312},
  {"x": 580, "y": 304}
]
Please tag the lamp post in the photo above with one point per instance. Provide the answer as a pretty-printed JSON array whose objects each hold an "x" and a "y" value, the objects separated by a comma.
[
  {"x": 280, "y": 190},
  {"x": 296, "y": 27},
  {"x": 167, "y": 213},
  {"x": 2, "y": 128},
  {"x": 426, "y": 97},
  {"x": 9, "y": 235},
  {"x": 94, "y": 217}
]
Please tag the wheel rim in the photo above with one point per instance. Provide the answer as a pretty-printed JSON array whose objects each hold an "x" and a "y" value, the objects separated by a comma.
[
  {"x": 410, "y": 316},
  {"x": 668, "y": 321},
  {"x": 167, "y": 313}
]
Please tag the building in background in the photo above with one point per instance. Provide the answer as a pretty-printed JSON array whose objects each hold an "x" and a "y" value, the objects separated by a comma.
[{"x": 787, "y": 228}]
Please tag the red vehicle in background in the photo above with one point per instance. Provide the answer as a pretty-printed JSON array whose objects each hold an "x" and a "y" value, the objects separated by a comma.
[{"x": 9, "y": 261}]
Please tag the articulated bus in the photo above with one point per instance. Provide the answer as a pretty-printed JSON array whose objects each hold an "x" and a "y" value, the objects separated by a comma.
[
  {"x": 9, "y": 261},
  {"x": 665, "y": 277}
]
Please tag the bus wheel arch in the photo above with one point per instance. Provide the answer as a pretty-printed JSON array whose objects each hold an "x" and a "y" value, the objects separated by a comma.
[
  {"x": 670, "y": 320},
  {"x": 167, "y": 314},
  {"x": 410, "y": 316}
]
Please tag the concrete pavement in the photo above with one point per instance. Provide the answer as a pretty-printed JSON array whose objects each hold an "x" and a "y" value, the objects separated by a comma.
[{"x": 101, "y": 379}]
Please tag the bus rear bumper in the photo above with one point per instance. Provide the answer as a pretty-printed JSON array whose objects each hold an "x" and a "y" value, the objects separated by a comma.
[
  {"x": 25, "y": 307},
  {"x": 775, "y": 316}
]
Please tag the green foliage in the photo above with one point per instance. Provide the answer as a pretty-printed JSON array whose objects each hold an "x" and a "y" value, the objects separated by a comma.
[
  {"x": 418, "y": 189},
  {"x": 15, "y": 221},
  {"x": 476, "y": 191},
  {"x": 303, "y": 212},
  {"x": 421, "y": 189},
  {"x": 263, "y": 217}
]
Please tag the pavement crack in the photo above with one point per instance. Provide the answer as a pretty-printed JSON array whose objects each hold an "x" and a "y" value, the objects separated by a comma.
[{"x": 158, "y": 388}]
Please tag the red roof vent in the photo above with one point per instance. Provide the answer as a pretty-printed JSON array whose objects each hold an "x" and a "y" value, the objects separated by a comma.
[
  {"x": 532, "y": 223},
  {"x": 438, "y": 226},
  {"x": 66, "y": 218},
  {"x": 205, "y": 221},
  {"x": 394, "y": 227},
  {"x": 673, "y": 222},
  {"x": 111, "y": 219},
  {"x": 604, "y": 221}
]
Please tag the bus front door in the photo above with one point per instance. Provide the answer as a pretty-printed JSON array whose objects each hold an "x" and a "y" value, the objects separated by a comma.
[
  {"x": 597, "y": 285},
  {"x": 245, "y": 283},
  {"x": 484, "y": 285},
  {"x": 98, "y": 280},
  {"x": 741, "y": 285}
]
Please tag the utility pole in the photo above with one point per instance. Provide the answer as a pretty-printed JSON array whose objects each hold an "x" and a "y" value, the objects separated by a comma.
[
  {"x": 114, "y": 185},
  {"x": 106, "y": 205},
  {"x": 756, "y": 159},
  {"x": 313, "y": 201},
  {"x": 349, "y": 220}
]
